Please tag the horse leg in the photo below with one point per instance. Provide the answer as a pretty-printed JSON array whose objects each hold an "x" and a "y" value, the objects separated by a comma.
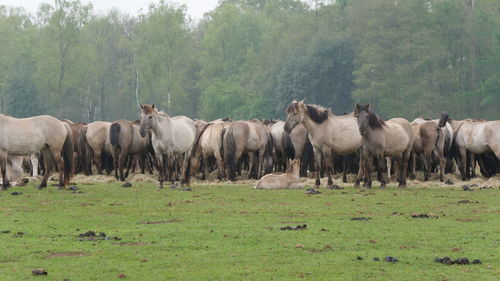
[
  {"x": 48, "y": 161},
  {"x": 220, "y": 164},
  {"x": 361, "y": 168},
  {"x": 368, "y": 171},
  {"x": 251, "y": 160},
  {"x": 58, "y": 166},
  {"x": 129, "y": 165},
  {"x": 185, "y": 173},
  {"x": 380, "y": 170},
  {"x": 389, "y": 167},
  {"x": 328, "y": 166},
  {"x": 413, "y": 156},
  {"x": 261, "y": 162},
  {"x": 463, "y": 162},
  {"x": 34, "y": 163},
  {"x": 427, "y": 165},
  {"x": 205, "y": 167},
  {"x": 3, "y": 169},
  {"x": 161, "y": 172},
  {"x": 121, "y": 162},
  {"x": 404, "y": 171},
  {"x": 442, "y": 165},
  {"x": 97, "y": 161}
]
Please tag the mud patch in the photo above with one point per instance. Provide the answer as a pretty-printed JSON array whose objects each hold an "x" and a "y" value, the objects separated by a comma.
[
  {"x": 462, "y": 261},
  {"x": 425, "y": 216},
  {"x": 312, "y": 191},
  {"x": 127, "y": 185},
  {"x": 360, "y": 219},
  {"x": 132, "y": 244},
  {"x": 160, "y": 222},
  {"x": 298, "y": 227},
  {"x": 92, "y": 236},
  {"x": 391, "y": 259},
  {"x": 467, "y": 202},
  {"x": 327, "y": 248},
  {"x": 67, "y": 254},
  {"x": 39, "y": 271}
]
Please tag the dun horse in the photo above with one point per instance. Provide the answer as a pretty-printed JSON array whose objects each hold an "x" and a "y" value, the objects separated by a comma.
[
  {"x": 431, "y": 138},
  {"x": 246, "y": 137},
  {"x": 210, "y": 144},
  {"x": 328, "y": 133},
  {"x": 392, "y": 138},
  {"x": 476, "y": 137},
  {"x": 171, "y": 136},
  {"x": 286, "y": 180},
  {"x": 27, "y": 136},
  {"x": 93, "y": 143}
]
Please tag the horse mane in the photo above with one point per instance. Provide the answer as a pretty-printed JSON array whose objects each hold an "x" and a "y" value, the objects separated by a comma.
[
  {"x": 374, "y": 121},
  {"x": 149, "y": 109},
  {"x": 317, "y": 113},
  {"x": 136, "y": 122}
]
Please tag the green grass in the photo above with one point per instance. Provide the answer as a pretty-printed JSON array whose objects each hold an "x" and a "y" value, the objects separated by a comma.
[{"x": 233, "y": 233}]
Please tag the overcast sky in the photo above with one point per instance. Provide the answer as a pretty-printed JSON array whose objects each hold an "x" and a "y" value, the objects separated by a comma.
[{"x": 195, "y": 8}]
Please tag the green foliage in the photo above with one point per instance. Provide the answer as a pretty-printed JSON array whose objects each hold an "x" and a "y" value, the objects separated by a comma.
[{"x": 250, "y": 58}]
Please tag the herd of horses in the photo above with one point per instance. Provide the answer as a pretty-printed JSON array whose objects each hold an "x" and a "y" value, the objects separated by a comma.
[{"x": 312, "y": 139}]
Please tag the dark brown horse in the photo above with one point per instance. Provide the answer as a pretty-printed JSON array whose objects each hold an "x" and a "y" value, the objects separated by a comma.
[
  {"x": 76, "y": 128},
  {"x": 126, "y": 141}
]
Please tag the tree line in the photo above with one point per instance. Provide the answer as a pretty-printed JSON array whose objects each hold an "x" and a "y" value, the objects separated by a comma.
[{"x": 250, "y": 58}]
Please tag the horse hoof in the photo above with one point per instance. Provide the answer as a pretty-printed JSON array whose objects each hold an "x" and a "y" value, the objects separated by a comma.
[
  {"x": 40, "y": 187},
  {"x": 160, "y": 187}
]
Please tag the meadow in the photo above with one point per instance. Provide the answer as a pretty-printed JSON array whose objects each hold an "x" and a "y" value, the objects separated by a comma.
[{"x": 233, "y": 232}]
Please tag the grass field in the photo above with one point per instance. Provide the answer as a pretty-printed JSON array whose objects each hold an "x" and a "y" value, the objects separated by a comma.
[{"x": 233, "y": 233}]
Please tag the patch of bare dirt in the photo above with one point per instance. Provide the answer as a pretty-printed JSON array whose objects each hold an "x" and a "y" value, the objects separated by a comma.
[
  {"x": 67, "y": 254},
  {"x": 160, "y": 222}
]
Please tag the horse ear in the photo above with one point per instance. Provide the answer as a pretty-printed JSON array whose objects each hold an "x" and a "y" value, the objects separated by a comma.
[
  {"x": 367, "y": 106},
  {"x": 153, "y": 105},
  {"x": 357, "y": 107},
  {"x": 141, "y": 106}
]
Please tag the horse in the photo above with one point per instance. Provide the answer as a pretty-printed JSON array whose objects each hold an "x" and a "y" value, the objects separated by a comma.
[
  {"x": 76, "y": 128},
  {"x": 209, "y": 144},
  {"x": 125, "y": 140},
  {"x": 476, "y": 137},
  {"x": 93, "y": 143},
  {"x": 328, "y": 133},
  {"x": 431, "y": 138},
  {"x": 279, "y": 142},
  {"x": 246, "y": 137},
  {"x": 25, "y": 136},
  {"x": 171, "y": 136},
  {"x": 289, "y": 179},
  {"x": 392, "y": 138}
]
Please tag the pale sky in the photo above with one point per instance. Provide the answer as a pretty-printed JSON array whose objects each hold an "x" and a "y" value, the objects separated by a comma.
[{"x": 195, "y": 8}]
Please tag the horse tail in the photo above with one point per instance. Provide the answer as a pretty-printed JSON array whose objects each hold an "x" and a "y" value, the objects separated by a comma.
[
  {"x": 443, "y": 119},
  {"x": 83, "y": 150},
  {"x": 288, "y": 148},
  {"x": 269, "y": 145},
  {"x": 68, "y": 151},
  {"x": 230, "y": 153},
  {"x": 197, "y": 139},
  {"x": 114, "y": 133},
  {"x": 307, "y": 160}
]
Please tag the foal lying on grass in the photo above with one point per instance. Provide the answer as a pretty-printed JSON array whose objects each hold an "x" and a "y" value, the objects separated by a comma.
[{"x": 289, "y": 179}]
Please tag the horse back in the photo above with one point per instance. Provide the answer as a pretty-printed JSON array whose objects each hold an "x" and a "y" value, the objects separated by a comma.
[{"x": 24, "y": 136}]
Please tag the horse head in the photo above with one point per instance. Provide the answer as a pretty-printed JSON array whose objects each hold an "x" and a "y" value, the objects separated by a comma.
[
  {"x": 147, "y": 118},
  {"x": 295, "y": 115}
]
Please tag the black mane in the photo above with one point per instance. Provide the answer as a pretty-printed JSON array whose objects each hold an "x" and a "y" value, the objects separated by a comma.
[
  {"x": 374, "y": 121},
  {"x": 317, "y": 114}
]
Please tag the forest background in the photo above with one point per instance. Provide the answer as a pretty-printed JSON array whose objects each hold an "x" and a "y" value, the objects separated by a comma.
[{"x": 249, "y": 58}]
